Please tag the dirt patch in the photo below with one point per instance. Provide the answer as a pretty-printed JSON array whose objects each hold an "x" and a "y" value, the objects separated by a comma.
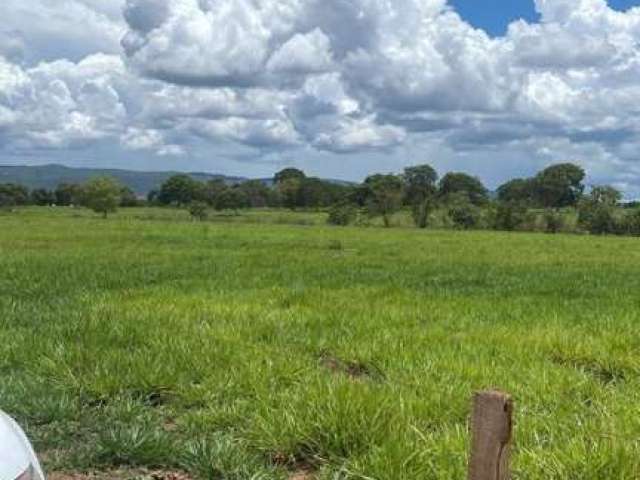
[
  {"x": 353, "y": 369},
  {"x": 121, "y": 475},
  {"x": 302, "y": 475},
  {"x": 300, "y": 469}
]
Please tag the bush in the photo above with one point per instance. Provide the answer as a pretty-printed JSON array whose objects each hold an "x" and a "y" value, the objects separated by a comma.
[
  {"x": 342, "y": 215},
  {"x": 198, "y": 211},
  {"x": 510, "y": 216},
  {"x": 631, "y": 223},
  {"x": 464, "y": 215},
  {"x": 599, "y": 220},
  {"x": 554, "y": 221}
]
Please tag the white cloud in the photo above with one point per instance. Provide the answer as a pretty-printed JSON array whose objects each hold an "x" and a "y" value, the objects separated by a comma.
[
  {"x": 181, "y": 77},
  {"x": 70, "y": 29}
]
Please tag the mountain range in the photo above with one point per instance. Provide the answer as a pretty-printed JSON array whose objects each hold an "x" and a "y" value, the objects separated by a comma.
[{"x": 50, "y": 176}]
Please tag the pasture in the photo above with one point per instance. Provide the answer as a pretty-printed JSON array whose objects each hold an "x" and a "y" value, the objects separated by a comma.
[{"x": 270, "y": 346}]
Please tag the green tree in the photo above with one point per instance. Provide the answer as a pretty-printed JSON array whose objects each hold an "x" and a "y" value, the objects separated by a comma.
[
  {"x": 102, "y": 195},
  {"x": 42, "y": 197},
  {"x": 257, "y": 193},
  {"x": 128, "y": 198},
  {"x": 181, "y": 190},
  {"x": 288, "y": 183},
  {"x": 520, "y": 190},
  {"x": 342, "y": 214},
  {"x": 554, "y": 220},
  {"x": 596, "y": 211},
  {"x": 198, "y": 210},
  {"x": 456, "y": 184},
  {"x": 212, "y": 189},
  {"x": 288, "y": 174},
  {"x": 384, "y": 196},
  {"x": 232, "y": 198},
  {"x": 420, "y": 191},
  {"x": 12, "y": 194},
  {"x": 631, "y": 222},
  {"x": 559, "y": 186},
  {"x": 510, "y": 215},
  {"x": 463, "y": 213},
  {"x": 68, "y": 194}
]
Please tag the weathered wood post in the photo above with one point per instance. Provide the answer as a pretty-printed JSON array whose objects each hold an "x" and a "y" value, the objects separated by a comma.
[{"x": 491, "y": 428}]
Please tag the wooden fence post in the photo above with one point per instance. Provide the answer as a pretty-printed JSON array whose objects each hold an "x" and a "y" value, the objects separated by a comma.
[{"x": 491, "y": 425}]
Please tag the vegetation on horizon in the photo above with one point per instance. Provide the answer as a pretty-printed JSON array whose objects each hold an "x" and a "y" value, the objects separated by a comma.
[{"x": 545, "y": 202}]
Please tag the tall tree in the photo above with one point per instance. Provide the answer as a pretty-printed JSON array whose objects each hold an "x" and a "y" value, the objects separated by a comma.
[
  {"x": 288, "y": 174},
  {"x": 559, "y": 185},
  {"x": 420, "y": 190},
  {"x": 288, "y": 184},
  {"x": 384, "y": 196},
  {"x": 456, "y": 184},
  {"x": 519, "y": 190}
]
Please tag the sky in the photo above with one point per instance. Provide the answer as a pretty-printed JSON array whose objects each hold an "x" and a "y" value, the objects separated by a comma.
[{"x": 339, "y": 88}]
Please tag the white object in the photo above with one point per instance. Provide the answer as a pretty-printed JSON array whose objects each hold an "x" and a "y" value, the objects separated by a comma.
[{"x": 17, "y": 459}]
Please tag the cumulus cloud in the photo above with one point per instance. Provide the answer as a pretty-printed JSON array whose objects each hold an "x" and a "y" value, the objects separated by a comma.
[
  {"x": 333, "y": 76},
  {"x": 60, "y": 104},
  {"x": 69, "y": 29}
]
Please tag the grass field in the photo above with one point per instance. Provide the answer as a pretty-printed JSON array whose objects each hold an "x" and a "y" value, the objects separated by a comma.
[{"x": 236, "y": 350}]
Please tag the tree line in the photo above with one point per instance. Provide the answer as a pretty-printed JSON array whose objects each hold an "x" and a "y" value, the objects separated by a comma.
[
  {"x": 462, "y": 199},
  {"x": 103, "y": 195}
]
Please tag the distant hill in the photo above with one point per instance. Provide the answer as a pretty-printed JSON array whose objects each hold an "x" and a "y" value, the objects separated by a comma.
[{"x": 50, "y": 176}]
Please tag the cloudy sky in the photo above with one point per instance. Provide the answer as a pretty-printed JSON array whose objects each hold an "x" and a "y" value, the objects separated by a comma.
[{"x": 340, "y": 88}]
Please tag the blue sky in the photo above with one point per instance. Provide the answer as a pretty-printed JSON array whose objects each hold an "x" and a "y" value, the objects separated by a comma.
[{"x": 494, "y": 16}]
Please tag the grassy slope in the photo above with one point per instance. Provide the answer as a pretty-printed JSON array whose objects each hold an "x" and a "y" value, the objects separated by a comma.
[{"x": 232, "y": 350}]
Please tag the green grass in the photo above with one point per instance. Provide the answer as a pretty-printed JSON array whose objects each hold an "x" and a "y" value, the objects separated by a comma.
[{"x": 237, "y": 349}]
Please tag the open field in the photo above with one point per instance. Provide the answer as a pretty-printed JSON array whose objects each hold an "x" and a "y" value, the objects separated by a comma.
[{"x": 233, "y": 350}]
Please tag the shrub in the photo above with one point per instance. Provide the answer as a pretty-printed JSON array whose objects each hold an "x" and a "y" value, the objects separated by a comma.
[
  {"x": 464, "y": 215},
  {"x": 599, "y": 220},
  {"x": 554, "y": 221},
  {"x": 342, "y": 215},
  {"x": 510, "y": 216},
  {"x": 198, "y": 211},
  {"x": 631, "y": 223}
]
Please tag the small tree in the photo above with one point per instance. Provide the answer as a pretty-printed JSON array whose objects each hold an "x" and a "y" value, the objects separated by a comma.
[
  {"x": 596, "y": 212},
  {"x": 198, "y": 210},
  {"x": 631, "y": 223},
  {"x": 384, "y": 196},
  {"x": 342, "y": 214},
  {"x": 102, "y": 195}
]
